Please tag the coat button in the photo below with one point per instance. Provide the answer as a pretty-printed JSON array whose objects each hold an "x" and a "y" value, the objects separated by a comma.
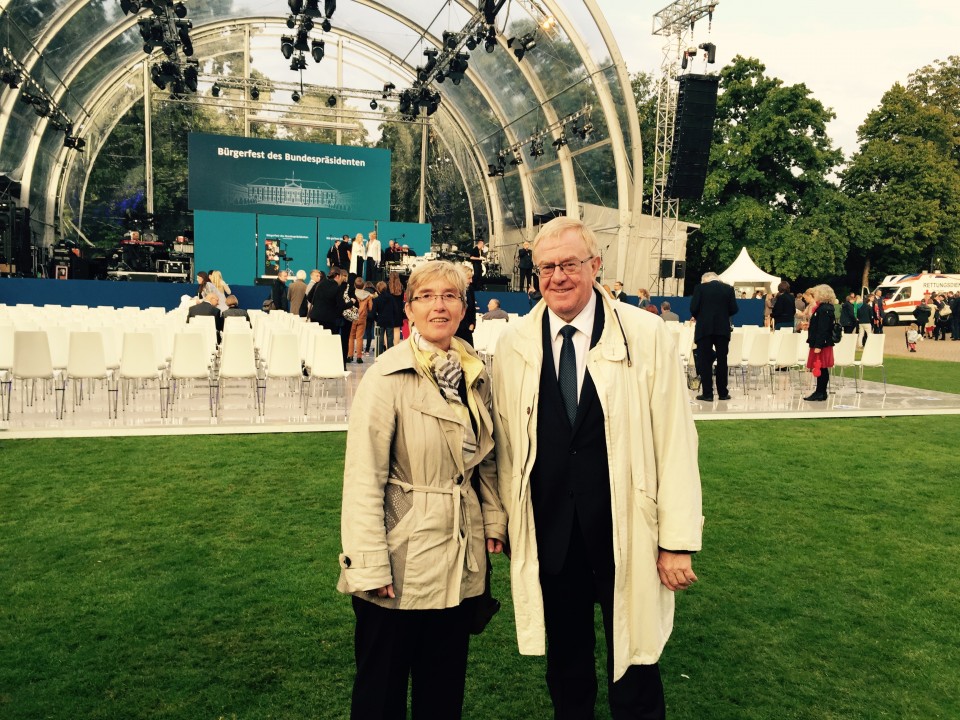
[
  {"x": 573, "y": 452},
  {"x": 346, "y": 561}
]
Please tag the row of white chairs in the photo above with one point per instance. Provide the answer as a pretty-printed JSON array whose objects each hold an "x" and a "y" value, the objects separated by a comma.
[{"x": 170, "y": 353}]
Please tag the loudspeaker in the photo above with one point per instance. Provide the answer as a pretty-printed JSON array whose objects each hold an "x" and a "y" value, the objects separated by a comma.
[
  {"x": 666, "y": 268},
  {"x": 679, "y": 269},
  {"x": 692, "y": 136}
]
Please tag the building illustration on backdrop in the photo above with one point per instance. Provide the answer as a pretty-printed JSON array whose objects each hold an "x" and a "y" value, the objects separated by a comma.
[{"x": 290, "y": 192}]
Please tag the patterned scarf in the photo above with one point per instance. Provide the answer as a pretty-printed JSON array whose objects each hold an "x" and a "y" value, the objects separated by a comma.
[{"x": 447, "y": 372}]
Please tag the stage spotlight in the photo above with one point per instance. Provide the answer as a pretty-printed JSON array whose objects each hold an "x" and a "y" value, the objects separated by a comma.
[
  {"x": 560, "y": 141},
  {"x": 180, "y": 10},
  {"x": 536, "y": 147},
  {"x": 491, "y": 42},
  {"x": 299, "y": 62},
  {"x": 517, "y": 158},
  {"x": 325, "y": 25},
  {"x": 191, "y": 75},
  {"x": 331, "y": 101},
  {"x": 522, "y": 45},
  {"x": 317, "y": 50},
  {"x": 440, "y": 76},
  {"x": 296, "y": 6},
  {"x": 291, "y": 21},
  {"x": 373, "y": 105},
  {"x": 131, "y": 7},
  {"x": 312, "y": 8},
  {"x": 329, "y": 7},
  {"x": 387, "y": 89},
  {"x": 286, "y": 46},
  {"x": 11, "y": 77},
  {"x": 711, "y": 52},
  {"x": 254, "y": 93},
  {"x": 295, "y": 97},
  {"x": 71, "y": 141},
  {"x": 586, "y": 130},
  {"x": 450, "y": 39},
  {"x": 307, "y": 24},
  {"x": 301, "y": 42},
  {"x": 215, "y": 90},
  {"x": 471, "y": 43}
]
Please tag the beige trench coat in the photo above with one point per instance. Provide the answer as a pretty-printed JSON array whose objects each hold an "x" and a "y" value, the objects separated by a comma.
[
  {"x": 410, "y": 515},
  {"x": 654, "y": 476}
]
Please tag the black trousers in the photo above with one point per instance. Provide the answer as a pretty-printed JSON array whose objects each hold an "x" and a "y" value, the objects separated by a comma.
[
  {"x": 710, "y": 348},
  {"x": 393, "y": 646},
  {"x": 569, "y": 598},
  {"x": 526, "y": 278}
]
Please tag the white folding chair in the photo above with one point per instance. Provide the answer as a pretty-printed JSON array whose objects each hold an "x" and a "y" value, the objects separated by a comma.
[
  {"x": 326, "y": 363},
  {"x": 284, "y": 361},
  {"x": 238, "y": 362},
  {"x": 190, "y": 361},
  {"x": 873, "y": 357},
  {"x": 31, "y": 362},
  {"x": 86, "y": 360},
  {"x": 140, "y": 362},
  {"x": 844, "y": 356}
]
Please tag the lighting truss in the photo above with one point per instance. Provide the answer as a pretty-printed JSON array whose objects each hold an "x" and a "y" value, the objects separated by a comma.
[{"x": 32, "y": 93}]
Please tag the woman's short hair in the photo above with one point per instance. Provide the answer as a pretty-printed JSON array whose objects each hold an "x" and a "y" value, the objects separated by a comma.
[
  {"x": 468, "y": 270},
  {"x": 232, "y": 301},
  {"x": 823, "y": 294},
  {"x": 437, "y": 270},
  {"x": 381, "y": 287},
  {"x": 556, "y": 227},
  {"x": 783, "y": 287}
]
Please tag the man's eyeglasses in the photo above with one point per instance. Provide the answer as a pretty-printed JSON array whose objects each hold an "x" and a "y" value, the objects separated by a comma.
[
  {"x": 569, "y": 267},
  {"x": 430, "y": 299}
]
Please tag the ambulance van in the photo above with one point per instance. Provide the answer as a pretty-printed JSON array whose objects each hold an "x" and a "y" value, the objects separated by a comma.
[{"x": 902, "y": 293}]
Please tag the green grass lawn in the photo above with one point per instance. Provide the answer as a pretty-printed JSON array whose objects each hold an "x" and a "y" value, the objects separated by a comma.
[{"x": 194, "y": 578}]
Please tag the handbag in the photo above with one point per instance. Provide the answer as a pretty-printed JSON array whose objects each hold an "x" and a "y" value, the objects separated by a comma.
[
  {"x": 485, "y": 605},
  {"x": 351, "y": 314}
]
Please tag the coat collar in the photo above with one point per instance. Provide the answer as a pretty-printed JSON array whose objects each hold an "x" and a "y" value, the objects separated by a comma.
[{"x": 611, "y": 346}]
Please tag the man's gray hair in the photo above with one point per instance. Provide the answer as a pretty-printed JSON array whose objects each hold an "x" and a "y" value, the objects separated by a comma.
[{"x": 709, "y": 277}]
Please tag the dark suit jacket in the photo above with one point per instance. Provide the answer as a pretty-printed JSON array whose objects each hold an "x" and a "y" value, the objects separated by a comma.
[
  {"x": 327, "y": 304},
  {"x": 206, "y": 308},
  {"x": 713, "y": 304}
]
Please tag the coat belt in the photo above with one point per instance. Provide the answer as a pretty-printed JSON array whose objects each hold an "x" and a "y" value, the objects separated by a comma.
[{"x": 461, "y": 519}]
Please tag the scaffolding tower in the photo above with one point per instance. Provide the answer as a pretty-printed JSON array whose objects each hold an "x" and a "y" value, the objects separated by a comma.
[{"x": 675, "y": 24}]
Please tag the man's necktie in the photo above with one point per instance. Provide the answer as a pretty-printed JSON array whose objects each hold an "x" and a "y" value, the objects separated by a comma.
[{"x": 568, "y": 373}]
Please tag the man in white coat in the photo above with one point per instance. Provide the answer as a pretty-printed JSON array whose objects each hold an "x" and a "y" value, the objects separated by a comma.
[{"x": 610, "y": 512}]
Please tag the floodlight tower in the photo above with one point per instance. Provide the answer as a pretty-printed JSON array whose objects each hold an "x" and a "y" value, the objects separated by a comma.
[{"x": 675, "y": 24}]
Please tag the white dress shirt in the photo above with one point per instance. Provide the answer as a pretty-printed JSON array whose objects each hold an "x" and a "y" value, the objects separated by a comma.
[{"x": 581, "y": 339}]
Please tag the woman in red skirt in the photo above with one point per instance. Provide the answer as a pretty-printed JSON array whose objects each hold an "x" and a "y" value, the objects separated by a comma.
[{"x": 820, "y": 339}]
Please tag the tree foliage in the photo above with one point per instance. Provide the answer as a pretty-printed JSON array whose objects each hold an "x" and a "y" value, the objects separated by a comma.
[
  {"x": 768, "y": 187},
  {"x": 904, "y": 182}
]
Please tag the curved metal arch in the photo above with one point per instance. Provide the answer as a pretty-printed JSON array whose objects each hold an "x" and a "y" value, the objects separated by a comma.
[
  {"x": 46, "y": 37},
  {"x": 633, "y": 125},
  {"x": 459, "y": 121},
  {"x": 609, "y": 110}
]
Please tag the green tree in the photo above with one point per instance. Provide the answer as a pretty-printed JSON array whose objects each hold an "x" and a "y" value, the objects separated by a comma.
[
  {"x": 768, "y": 185},
  {"x": 904, "y": 182}
]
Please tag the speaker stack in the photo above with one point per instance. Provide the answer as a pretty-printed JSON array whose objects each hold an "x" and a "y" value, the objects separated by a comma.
[{"x": 692, "y": 136}]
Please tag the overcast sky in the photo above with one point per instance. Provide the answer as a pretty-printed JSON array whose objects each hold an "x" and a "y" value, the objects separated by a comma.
[{"x": 848, "y": 52}]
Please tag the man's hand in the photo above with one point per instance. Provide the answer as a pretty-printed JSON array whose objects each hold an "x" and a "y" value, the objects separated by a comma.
[
  {"x": 494, "y": 545},
  {"x": 675, "y": 570}
]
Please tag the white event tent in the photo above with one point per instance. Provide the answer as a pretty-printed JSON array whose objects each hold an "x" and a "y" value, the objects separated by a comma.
[{"x": 743, "y": 272}]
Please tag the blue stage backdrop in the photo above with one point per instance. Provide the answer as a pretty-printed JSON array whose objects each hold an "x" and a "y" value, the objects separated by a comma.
[
  {"x": 229, "y": 244},
  {"x": 413, "y": 234},
  {"x": 282, "y": 177}
]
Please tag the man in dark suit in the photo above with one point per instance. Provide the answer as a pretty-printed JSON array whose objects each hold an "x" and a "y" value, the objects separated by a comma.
[
  {"x": 208, "y": 306},
  {"x": 712, "y": 305},
  {"x": 339, "y": 254},
  {"x": 326, "y": 301}
]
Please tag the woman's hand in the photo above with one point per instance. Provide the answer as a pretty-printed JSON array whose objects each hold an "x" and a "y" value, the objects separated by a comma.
[
  {"x": 385, "y": 591},
  {"x": 494, "y": 545}
]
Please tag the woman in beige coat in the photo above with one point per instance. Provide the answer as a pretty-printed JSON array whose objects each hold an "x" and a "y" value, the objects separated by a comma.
[{"x": 413, "y": 524}]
